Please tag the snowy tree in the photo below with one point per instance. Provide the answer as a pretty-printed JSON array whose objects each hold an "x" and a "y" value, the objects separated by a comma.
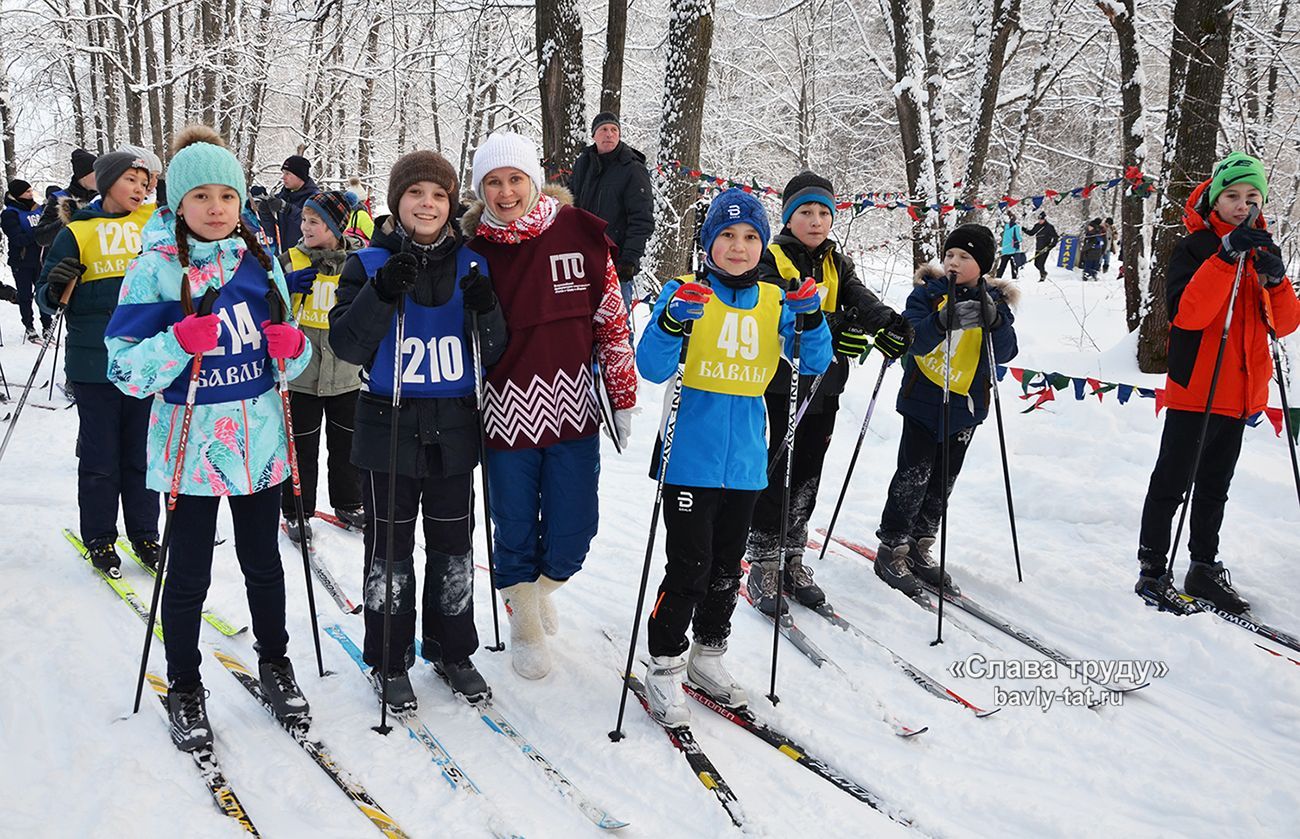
[{"x": 559, "y": 73}]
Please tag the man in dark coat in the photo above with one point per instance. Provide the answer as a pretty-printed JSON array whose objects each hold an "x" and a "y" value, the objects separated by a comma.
[
  {"x": 610, "y": 179},
  {"x": 1045, "y": 238},
  {"x": 287, "y": 203},
  {"x": 80, "y": 190}
]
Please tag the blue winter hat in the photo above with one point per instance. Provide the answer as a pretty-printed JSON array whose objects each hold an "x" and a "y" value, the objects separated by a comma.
[
  {"x": 735, "y": 206},
  {"x": 202, "y": 158}
]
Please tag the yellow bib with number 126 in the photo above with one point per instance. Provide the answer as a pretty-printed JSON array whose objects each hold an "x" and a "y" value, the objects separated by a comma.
[
  {"x": 107, "y": 245},
  {"x": 736, "y": 351},
  {"x": 965, "y": 358},
  {"x": 316, "y": 305}
]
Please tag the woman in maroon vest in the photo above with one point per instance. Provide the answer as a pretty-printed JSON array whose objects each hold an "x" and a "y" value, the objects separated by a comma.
[{"x": 554, "y": 274}]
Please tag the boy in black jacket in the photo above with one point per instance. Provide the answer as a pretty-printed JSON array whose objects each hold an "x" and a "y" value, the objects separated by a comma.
[
  {"x": 418, "y": 254},
  {"x": 802, "y": 249}
]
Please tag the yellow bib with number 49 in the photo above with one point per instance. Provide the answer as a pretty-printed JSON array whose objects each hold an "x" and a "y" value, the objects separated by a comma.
[
  {"x": 965, "y": 358},
  {"x": 107, "y": 245},
  {"x": 315, "y": 307},
  {"x": 736, "y": 351}
]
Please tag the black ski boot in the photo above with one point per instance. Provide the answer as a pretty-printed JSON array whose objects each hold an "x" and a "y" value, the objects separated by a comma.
[
  {"x": 401, "y": 696},
  {"x": 104, "y": 557},
  {"x": 189, "y": 719},
  {"x": 287, "y": 701},
  {"x": 799, "y": 585},
  {"x": 1159, "y": 591},
  {"x": 1211, "y": 581},
  {"x": 295, "y": 535},
  {"x": 353, "y": 517},
  {"x": 761, "y": 587},
  {"x": 893, "y": 567},
  {"x": 147, "y": 550},
  {"x": 464, "y": 680},
  {"x": 925, "y": 566}
]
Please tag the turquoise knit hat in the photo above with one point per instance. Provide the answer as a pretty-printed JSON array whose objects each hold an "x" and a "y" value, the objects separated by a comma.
[{"x": 202, "y": 158}]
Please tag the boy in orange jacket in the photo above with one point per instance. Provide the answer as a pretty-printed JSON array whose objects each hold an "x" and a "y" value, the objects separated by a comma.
[{"x": 1200, "y": 281}]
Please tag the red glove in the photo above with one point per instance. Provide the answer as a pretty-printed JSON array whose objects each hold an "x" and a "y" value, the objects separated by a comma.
[
  {"x": 283, "y": 340},
  {"x": 197, "y": 334},
  {"x": 804, "y": 300}
]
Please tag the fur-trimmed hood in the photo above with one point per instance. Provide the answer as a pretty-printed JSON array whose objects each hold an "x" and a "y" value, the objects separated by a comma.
[
  {"x": 474, "y": 211},
  {"x": 932, "y": 273},
  {"x": 68, "y": 207}
]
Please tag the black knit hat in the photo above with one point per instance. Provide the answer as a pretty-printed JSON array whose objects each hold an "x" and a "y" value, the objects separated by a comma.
[
  {"x": 298, "y": 165},
  {"x": 83, "y": 163},
  {"x": 976, "y": 240},
  {"x": 803, "y": 188},
  {"x": 416, "y": 166},
  {"x": 18, "y": 186},
  {"x": 603, "y": 118}
]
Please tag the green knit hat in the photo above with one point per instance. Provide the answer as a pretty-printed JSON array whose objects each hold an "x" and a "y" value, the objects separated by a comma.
[
  {"x": 1238, "y": 168},
  {"x": 202, "y": 158}
]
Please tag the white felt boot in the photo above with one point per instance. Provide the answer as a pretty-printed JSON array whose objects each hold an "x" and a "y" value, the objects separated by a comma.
[{"x": 529, "y": 655}]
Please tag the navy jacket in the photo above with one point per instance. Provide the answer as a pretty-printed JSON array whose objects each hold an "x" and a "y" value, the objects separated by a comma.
[{"x": 921, "y": 399}]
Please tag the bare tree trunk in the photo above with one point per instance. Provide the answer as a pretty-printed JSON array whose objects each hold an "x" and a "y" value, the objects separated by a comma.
[
  {"x": 366, "y": 125},
  {"x": 1132, "y": 248},
  {"x": 917, "y": 156},
  {"x": 1202, "y": 31},
  {"x": 156, "y": 127},
  {"x": 1278, "y": 29},
  {"x": 208, "y": 26},
  {"x": 92, "y": 40},
  {"x": 559, "y": 64},
  {"x": 253, "y": 119},
  {"x": 611, "y": 76},
  {"x": 129, "y": 38},
  {"x": 686, "y": 78},
  {"x": 1005, "y": 19},
  {"x": 7, "y": 118},
  {"x": 805, "y": 45},
  {"x": 168, "y": 73},
  {"x": 938, "y": 123}
]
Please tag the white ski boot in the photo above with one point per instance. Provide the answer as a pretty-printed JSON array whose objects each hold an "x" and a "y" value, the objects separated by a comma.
[
  {"x": 707, "y": 672},
  {"x": 663, "y": 687}
]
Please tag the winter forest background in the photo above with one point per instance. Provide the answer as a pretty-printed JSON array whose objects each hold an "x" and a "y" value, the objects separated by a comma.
[{"x": 907, "y": 105}]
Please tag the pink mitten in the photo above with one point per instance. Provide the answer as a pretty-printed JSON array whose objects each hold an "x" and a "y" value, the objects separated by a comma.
[
  {"x": 197, "y": 333},
  {"x": 283, "y": 340}
]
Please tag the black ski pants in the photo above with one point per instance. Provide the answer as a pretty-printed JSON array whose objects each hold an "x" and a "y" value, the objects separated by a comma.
[
  {"x": 112, "y": 458},
  {"x": 448, "y": 631},
  {"x": 1169, "y": 481},
  {"x": 916, "y": 498},
  {"x": 336, "y": 415},
  {"x": 705, "y": 532},
  {"x": 811, "y": 439},
  {"x": 189, "y": 573}
]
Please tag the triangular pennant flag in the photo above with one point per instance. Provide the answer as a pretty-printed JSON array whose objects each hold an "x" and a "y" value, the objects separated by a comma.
[
  {"x": 1078, "y": 389},
  {"x": 1037, "y": 201},
  {"x": 1275, "y": 416},
  {"x": 1294, "y": 413},
  {"x": 1160, "y": 399},
  {"x": 1098, "y": 389},
  {"x": 1146, "y": 393},
  {"x": 1044, "y": 395},
  {"x": 1017, "y": 373},
  {"x": 1125, "y": 391},
  {"x": 1058, "y": 381},
  {"x": 1002, "y": 372},
  {"x": 1254, "y": 419}
]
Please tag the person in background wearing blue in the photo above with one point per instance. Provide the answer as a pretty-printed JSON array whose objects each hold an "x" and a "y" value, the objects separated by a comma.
[
  {"x": 1011, "y": 239},
  {"x": 718, "y": 463},
  {"x": 19, "y": 218}
]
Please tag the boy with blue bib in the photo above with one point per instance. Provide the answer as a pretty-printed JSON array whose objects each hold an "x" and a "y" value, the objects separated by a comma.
[
  {"x": 718, "y": 463},
  {"x": 418, "y": 255}
]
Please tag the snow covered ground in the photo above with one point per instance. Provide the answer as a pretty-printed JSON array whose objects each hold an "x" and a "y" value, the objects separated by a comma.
[{"x": 1206, "y": 750}]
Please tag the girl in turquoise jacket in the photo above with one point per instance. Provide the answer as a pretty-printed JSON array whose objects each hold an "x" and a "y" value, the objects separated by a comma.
[
  {"x": 718, "y": 461},
  {"x": 236, "y": 445}
]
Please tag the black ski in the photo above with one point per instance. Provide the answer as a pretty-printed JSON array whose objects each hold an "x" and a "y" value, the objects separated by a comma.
[
  {"x": 699, "y": 762},
  {"x": 787, "y": 746},
  {"x": 1196, "y": 605}
]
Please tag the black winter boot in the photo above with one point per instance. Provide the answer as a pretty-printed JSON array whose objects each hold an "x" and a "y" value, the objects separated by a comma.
[
  {"x": 893, "y": 567},
  {"x": 188, "y": 714},
  {"x": 104, "y": 557},
  {"x": 761, "y": 587},
  {"x": 799, "y": 585},
  {"x": 1211, "y": 581},
  {"x": 925, "y": 566},
  {"x": 287, "y": 701},
  {"x": 464, "y": 679}
]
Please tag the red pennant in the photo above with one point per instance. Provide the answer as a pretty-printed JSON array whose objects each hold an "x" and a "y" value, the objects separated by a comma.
[
  {"x": 911, "y": 211},
  {"x": 1096, "y": 388},
  {"x": 1160, "y": 399},
  {"x": 1010, "y": 202},
  {"x": 1275, "y": 416},
  {"x": 1051, "y": 193},
  {"x": 1018, "y": 373},
  {"x": 1087, "y": 190}
]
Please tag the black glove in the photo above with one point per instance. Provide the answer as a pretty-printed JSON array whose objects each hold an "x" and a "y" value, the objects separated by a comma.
[
  {"x": 476, "y": 288},
  {"x": 850, "y": 339},
  {"x": 895, "y": 337},
  {"x": 1242, "y": 238},
  {"x": 627, "y": 271},
  {"x": 66, "y": 271},
  {"x": 1269, "y": 268},
  {"x": 8, "y": 293},
  {"x": 397, "y": 276},
  {"x": 990, "y": 316},
  {"x": 275, "y": 204}
]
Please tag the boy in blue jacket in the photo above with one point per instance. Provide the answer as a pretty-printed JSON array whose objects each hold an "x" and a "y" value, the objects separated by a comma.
[
  {"x": 718, "y": 463},
  {"x": 916, "y": 498}
]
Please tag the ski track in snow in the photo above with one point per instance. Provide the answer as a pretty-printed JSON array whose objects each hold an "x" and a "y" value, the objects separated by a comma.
[{"x": 1206, "y": 750}]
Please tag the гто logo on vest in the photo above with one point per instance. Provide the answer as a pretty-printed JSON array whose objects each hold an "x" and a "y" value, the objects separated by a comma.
[{"x": 568, "y": 271}]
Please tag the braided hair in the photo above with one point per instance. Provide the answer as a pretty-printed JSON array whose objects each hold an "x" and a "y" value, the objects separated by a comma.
[{"x": 183, "y": 254}]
